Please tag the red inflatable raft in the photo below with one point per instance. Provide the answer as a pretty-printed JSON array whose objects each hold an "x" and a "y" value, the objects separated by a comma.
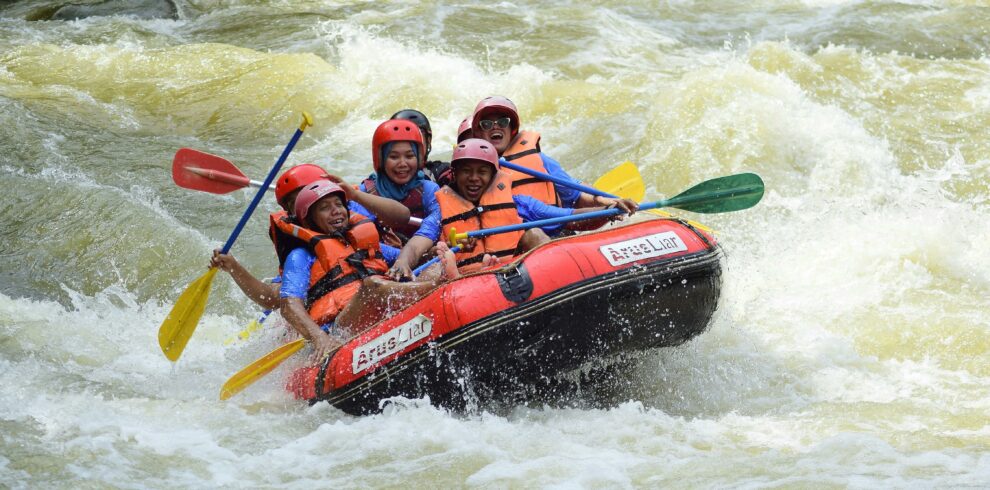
[{"x": 624, "y": 289}]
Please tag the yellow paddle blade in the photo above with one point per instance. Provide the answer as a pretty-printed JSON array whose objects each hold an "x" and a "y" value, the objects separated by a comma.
[
  {"x": 626, "y": 181},
  {"x": 252, "y": 327},
  {"x": 245, "y": 377},
  {"x": 180, "y": 323},
  {"x": 244, "y": 334},
  {"x": 623, "y": 181}
]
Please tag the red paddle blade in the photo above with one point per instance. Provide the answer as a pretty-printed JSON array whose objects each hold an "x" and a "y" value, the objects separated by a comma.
[{"x": 194, "y": 169}]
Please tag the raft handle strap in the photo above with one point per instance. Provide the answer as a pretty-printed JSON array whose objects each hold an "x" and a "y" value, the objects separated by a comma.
[{"x": 321, "y": 378}]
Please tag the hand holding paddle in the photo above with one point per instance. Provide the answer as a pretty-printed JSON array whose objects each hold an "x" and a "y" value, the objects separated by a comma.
[
  {"x": 178, "y": 326},
  {"x": 719, "y": 195}
]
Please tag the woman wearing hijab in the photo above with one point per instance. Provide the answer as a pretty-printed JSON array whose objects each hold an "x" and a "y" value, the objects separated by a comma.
[{"x": 398, "y": 154}]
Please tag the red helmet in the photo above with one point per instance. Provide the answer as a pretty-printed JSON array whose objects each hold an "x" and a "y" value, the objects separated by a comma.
[
  {"x": 491, "y": 104},
  {"x": 421, "y": 122},
  {"x": 314, "y": 192},
  {"x": 296, "y": 177},
  {"x": 464, "y": 130},
  {"x": 396, "y": 130},
  {"x": 475, "y": 149}
]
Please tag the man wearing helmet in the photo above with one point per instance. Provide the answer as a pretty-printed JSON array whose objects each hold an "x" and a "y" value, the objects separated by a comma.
[
  {"x": 332, "y": 287},
  {"x": 437, "y": 171},
  {"x": 496, "y": 120},
  {"x": 480, "y": 197}
]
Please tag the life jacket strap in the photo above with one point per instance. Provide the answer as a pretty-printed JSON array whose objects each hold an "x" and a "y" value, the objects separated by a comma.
[
  {"x": 530, "y": 180},
  {"x": 313, "y": 242},
  {"x": 477, "y": 211},
  {"x": 521, "y": 154},
  {"x": 333, "y": 278}
]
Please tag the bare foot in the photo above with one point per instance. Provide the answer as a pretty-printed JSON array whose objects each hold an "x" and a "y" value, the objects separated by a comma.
[
  {"x": 447, "y": 261},
  {"x": 488, "y": 260}
]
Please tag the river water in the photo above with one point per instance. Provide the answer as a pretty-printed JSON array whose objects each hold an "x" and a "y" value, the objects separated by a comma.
[{"x": 850, "y": 347}]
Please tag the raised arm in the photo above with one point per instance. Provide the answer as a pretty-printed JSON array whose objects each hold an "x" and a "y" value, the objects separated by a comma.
[{"x": 389, "y": 211}]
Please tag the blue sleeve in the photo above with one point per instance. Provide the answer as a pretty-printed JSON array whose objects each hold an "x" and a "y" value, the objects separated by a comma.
[
  {"x": 389, "y": 253},
  {"x": 295, "y": 274},
  {"x": 354, "y": 207},
  {"x": 568, "y": 195},
  {"x": 431, "y": 222},
  {"x": 532, "y": 209}
]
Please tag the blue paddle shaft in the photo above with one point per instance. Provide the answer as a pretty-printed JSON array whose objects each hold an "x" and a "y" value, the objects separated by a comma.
[
  {"x": 556, "y": 180},
  {"x": 432, "y": 261},
  {"x": 261, "y": 192},
  {"x": 690, "y": 196},
  {"x": 563, "y": 219}
]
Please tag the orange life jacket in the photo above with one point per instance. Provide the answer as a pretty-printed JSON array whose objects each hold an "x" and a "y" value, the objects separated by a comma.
[
  {"x": 525, "y": 152},
  {"x": 398, "y": 236},
  {"x": 496, "y": 208},
  {"x": 342, "y": 260}
]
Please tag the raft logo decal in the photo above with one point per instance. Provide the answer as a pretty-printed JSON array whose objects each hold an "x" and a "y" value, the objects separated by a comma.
[
  {"x": 645, "y": 247},
  {"x": 391, "y": 342}
]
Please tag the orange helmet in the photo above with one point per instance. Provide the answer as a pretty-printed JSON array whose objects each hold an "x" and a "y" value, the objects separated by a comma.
[
  {"x": 396, "y": 130},
  {"x": 491, "y": 104},
  {"x": 296, "y": 177}
]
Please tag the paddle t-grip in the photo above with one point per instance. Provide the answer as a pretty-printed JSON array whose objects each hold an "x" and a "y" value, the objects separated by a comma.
[{"x": 307, "y": 121}]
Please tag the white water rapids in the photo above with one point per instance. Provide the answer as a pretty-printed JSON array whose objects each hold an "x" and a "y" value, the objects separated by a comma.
[{"x": 850, "y": 348}]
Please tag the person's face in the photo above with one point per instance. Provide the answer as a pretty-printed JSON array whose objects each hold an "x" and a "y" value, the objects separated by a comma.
[
  {"x": 328, "y": 214},
  {"x": 400, "y": 163},
  {"x": 472, "y": 178},
  {"x": 499, "y": 135}
]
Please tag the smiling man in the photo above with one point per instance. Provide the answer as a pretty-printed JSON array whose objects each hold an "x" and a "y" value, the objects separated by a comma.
[
  {"x": 496, "y": 120},
  {"x": 480, "y": 197}
]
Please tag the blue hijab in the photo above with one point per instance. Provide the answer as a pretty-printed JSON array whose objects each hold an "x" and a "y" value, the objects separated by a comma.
[{"x": 389, "y": 189}]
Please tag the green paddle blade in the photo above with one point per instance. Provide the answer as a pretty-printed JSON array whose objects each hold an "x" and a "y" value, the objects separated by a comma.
[
  {"x": 180, "y": 323},
  {"x": 623, "y": 181},
  {"x": 245, "y": 377},
  {"x": 720, "y": 195}
]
